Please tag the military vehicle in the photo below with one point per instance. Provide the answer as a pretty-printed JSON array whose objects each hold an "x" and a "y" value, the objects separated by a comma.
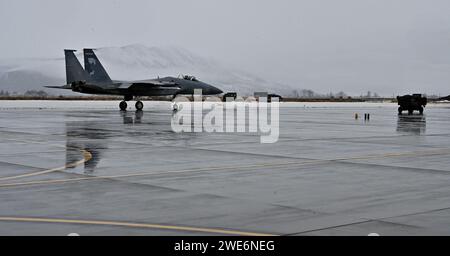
[
  {"x": 272, "y": 95},
  {"x": 268, "y": 96},
  {"x": 447, "y": 98},
  {"x": 411, "y": 103},
  {"x": 229, "y": 95}
]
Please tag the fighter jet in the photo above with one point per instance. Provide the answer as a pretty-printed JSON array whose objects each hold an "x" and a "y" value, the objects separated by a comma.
[{"x": 95, "y": 80}]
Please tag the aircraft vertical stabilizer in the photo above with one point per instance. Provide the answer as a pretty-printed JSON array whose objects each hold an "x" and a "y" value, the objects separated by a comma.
[
  {"x": 94, "y": 68},
  {"x": 74, "y": 70}
]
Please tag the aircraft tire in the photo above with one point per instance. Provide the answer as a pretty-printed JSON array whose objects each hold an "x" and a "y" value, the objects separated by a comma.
[
  {"x": 421, "y": 110},
  {"x": 123, "y": 105},
  {"x": 139, "y": 105}
]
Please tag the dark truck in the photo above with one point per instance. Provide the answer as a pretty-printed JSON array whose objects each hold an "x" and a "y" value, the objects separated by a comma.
[
  {"x": 411, "y": 103},
  {"x": 232, "y": 95},
  {"x": 272, "y": 95}
]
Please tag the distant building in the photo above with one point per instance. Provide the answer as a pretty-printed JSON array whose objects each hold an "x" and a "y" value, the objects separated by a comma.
[{"x": 260, "y": 94}]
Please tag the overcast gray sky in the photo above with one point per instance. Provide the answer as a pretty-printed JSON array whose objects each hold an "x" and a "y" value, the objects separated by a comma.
[{"x": 324, "y": 45}]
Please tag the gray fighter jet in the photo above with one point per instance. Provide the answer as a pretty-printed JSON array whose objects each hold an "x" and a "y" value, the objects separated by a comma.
[{"x": 95, "y": 80}]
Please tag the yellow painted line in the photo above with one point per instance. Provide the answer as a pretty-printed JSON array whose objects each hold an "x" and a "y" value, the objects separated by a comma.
[
  {"x": 86, "y": 157},
  {"x": 40, "y": 182},
  {"x": 296, "y": 163},
  {"x": 135, "y": 225}
]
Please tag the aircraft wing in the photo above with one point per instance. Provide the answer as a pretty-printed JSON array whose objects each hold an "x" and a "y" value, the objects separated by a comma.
[
  {"x": 151, "y": 84},
  {"x": 79, "y": 87},
  {"x": 67, "y": 86}
]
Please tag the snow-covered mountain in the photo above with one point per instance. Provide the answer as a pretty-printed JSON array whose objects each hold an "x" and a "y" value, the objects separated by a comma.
[{"x": 134, "y": 62}]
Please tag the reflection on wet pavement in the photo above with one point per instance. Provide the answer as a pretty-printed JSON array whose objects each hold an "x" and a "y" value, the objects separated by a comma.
[{"x": 413, "y": 124}]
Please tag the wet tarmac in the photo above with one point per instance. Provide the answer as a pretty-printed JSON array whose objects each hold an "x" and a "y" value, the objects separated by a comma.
[{"x": 87, "y": 168}]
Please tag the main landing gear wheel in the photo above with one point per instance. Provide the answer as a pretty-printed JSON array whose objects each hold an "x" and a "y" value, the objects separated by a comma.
[
  {"x": 421, "y": 110},
  {"x": 123, "y": 105},
  {"x": 139, "y": 105}
]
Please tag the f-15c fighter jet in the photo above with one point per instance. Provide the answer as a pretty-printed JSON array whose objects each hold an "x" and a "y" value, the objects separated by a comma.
[{"x": 95, "y": 80}]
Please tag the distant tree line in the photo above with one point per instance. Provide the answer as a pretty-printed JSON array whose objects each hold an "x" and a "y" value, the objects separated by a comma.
[
  {"x": 29, "y": 93},
  {"x": 310, "y": 94},
  {"x": 4, "y": 93},
  {"x": 36, "y": 93}
]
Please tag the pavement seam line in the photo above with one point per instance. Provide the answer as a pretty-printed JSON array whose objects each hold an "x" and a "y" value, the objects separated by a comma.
[{"x": 315, "y": 161}]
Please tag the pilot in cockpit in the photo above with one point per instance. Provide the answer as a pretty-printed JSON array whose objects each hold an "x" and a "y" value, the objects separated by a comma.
[{"x": 191, "y": 78}]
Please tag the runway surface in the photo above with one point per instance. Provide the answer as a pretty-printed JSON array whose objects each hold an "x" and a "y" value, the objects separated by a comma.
[{"x": 87, "y": 168}]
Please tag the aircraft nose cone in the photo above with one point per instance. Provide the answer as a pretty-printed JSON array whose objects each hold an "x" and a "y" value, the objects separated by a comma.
[
  {"x": 217, "y": 91},
  {"x": 214, "y": 90}
]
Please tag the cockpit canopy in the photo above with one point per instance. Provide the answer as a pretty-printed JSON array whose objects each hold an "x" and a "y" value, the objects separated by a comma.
[{"x": 190, "y": 78}]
